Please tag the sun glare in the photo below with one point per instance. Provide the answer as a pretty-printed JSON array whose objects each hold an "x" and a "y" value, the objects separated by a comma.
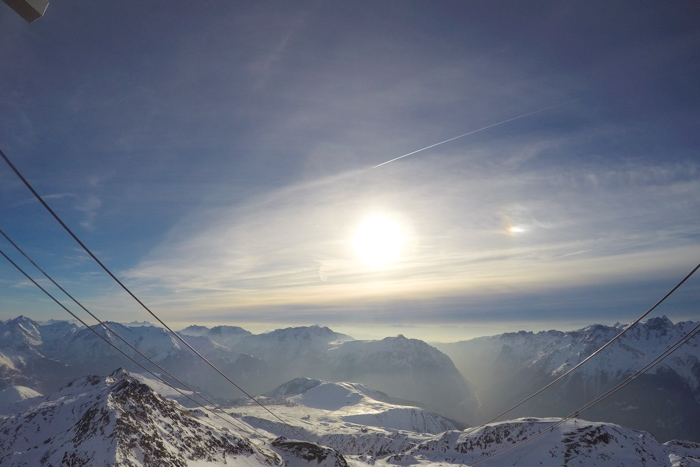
[{"x": 378, "y": 241}]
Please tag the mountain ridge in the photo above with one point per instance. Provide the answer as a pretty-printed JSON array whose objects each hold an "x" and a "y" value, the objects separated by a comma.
[
  {"x": 508, "y": 367},
  {"x": 258, "y": 362},
  {"x": 118, "y": 420},
  {"x": 468, "y": 381}
]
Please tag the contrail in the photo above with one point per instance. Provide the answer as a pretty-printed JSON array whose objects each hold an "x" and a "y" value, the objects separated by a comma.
[{"x": 476, "y": 131}]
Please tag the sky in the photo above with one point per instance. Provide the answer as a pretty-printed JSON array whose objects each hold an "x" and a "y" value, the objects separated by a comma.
[{"x": 226, "y": 161}]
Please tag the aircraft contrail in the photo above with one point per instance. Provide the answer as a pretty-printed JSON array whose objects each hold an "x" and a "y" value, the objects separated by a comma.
[{"x": 475, "y": 131}]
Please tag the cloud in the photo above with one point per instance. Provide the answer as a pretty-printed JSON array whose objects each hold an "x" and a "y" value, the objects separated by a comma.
[
  {"x": 264, "y": 66},
  {"x": 254, "y": 127},
  {"x": 579, "y": 224},
  {"x": 52, "y": 196},
  {"x": 88, "y": 205}
]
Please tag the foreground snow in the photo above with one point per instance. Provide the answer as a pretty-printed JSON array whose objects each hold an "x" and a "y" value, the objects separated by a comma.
[{"x": 119, "y": 420}]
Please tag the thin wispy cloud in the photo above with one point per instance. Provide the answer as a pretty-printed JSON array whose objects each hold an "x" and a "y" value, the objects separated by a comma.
[
  {"x": 265, "y": 66},
  {"x": 221, "y": 160},
  {"x": 48, "y": 197},
  {"x": 486, "y": 228},
  {"x": 89, "y": 206}
]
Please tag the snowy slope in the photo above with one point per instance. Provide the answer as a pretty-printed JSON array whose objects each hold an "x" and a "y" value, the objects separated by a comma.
[
  {"x": 117, "y": 420},
  {"x": 156, "y": 343},
  {"x": 575, "y": 442},
  {"x": 523, "y": 442},
  {"x": 501, "y": 369},
  {"x": 54, "y": 334},
  {"x": 15, "y": 394},
  {"x": 15, "y": 399},
  {"x": 358, "y": 404},
  {"x": 85, "y": 353}
]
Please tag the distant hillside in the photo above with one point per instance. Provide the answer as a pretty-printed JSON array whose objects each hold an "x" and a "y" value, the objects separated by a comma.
[
  {"x": 666, "y": 402},
  {"x": 408, "y": 368}
]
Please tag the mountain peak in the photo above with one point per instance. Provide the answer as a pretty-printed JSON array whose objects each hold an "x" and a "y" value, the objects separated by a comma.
[
  {"x": 294, "y": 387},
  {"x": 229, "y": 330},
  {"x": 15, "y": 394},
  {"x": 20, "y": 332},
  {"x": 658, "y": 323},
  {"x": 119, "y": 373},
  {"x": 117, "y": 420},
  {"x": 194, "y": 330},
  {"x": 21, "y": 319},
  {"x": 315, "y": 332}
]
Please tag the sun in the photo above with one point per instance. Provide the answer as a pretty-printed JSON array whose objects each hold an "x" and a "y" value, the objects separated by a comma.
[{"x": 378, "y": 240}]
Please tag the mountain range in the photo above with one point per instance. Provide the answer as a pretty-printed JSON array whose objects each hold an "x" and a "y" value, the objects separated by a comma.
[
  {"x": 60, "y": 351},
  {"x": 506, "y": 368},
  {"x": 122, "y": 420},
  {"x": 466, "y": 382}
]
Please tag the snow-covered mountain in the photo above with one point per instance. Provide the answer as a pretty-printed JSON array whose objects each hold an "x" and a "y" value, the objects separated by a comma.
[
  {"x": 45, "y": 356},
  {"x": 22, "y": 361},
  {"x": 500, "y": 370},
  {"x": 507, "y": 367},
  {"x": 227, "y": 336},
  {"x": 410, "y": 368},
  {"x": 550, "y": 443},
  {"x": 406, "y": 368},
  {"x": 119, "y": 420},
  {"x": 296, "y": 351},
  {"x": 356, "y": 403},
  {"x": 16, "y": 398}
]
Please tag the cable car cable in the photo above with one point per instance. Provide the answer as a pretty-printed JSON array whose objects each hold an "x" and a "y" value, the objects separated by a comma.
[
  {"x": 600, "y": 398},
  {"x": 48, "y": 294},
  {"x": 585, "y": 360},
  {"x": 123, "y": 286}
]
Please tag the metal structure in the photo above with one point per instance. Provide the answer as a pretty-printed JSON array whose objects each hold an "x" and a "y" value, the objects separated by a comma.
[{"x": 30, "y": 10}]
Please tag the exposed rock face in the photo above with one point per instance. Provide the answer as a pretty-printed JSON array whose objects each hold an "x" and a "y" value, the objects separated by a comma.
[
  {"x": 118, "y": 421},
  {"x": 311, "y": 453},
  {"x": 551, "y": 442}
]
